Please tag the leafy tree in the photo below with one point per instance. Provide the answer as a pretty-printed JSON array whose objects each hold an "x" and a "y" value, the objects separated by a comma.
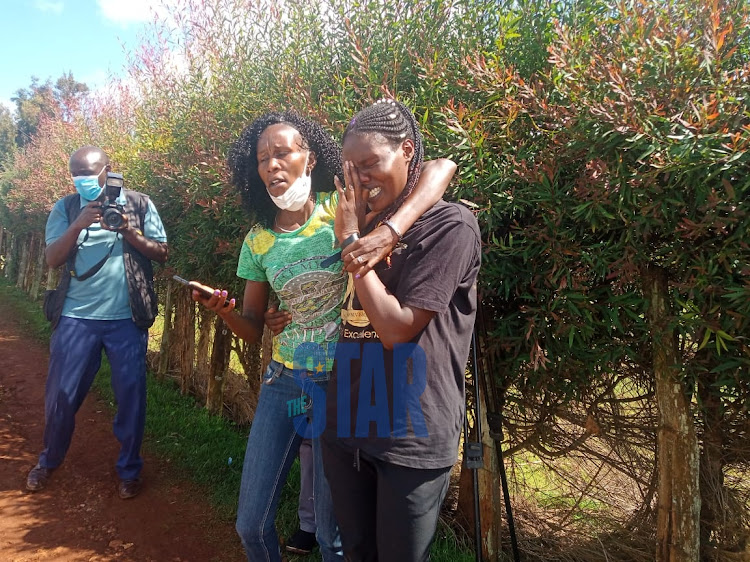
[
  {"x": 31, "y": 104},
  {"x": 7, "y": 136},
  {"x": 621, "y": 172},
  {"x": 68, "y": 93},
  {"x": 45, "y": 100}
]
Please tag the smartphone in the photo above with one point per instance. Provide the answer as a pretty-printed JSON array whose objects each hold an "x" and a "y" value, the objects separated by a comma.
[{"x": 193, "y": 285}]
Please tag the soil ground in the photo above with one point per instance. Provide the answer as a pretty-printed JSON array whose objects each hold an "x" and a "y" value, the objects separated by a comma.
[{"x": 79, "y": 516}]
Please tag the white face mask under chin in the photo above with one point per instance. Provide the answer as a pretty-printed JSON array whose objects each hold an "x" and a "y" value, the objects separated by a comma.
[{"x": 296, "y": 195}]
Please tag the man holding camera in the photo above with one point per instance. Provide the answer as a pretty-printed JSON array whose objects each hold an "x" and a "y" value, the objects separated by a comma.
[{"x": 107, "y": 237}]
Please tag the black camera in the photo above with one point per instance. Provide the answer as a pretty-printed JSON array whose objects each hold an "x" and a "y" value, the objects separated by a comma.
[{"x": 112, "y": 212}]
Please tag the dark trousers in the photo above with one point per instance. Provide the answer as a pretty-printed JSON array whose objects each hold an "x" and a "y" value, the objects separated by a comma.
[
  {"x": 385, "y": 511},
  {"x": 75, "y": 357}
]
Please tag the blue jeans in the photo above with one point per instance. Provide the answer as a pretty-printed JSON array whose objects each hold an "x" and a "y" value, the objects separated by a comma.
[
  {"x": 75, "y": 357},
  {"x": 275, "y": 435}
]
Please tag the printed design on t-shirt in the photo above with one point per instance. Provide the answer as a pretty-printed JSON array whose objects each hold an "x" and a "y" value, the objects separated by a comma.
[
  {"x": 316, "y": 221},
  {"x": 354, "y": 321},
  {"x": 309, "y": 293},
  {"x": 260, "y": 240}
]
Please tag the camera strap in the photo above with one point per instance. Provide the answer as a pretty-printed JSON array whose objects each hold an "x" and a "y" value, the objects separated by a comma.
[{"x": 97, "y": 266}]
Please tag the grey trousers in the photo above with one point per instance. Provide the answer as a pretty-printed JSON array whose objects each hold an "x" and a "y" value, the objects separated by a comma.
[{"x": 306, "y": 507}]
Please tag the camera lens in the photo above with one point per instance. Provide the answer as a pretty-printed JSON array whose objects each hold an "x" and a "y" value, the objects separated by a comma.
[{"x": 112, "y": 218}]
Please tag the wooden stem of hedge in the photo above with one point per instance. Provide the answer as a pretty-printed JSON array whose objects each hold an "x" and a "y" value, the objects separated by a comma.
[
  {"x": 184, "y": 332},
  {"x": 206, "y": 329},
  {"x": 10, "y": 256},
  {"x": 166, "y": 334},
  {"x": 715, "y": 514},
  {"x": 218, "y": 367},
  {"x": 678, "y": 501},
  {"x": 22, "y": 263},
  {"x": 39, "y": 269}
]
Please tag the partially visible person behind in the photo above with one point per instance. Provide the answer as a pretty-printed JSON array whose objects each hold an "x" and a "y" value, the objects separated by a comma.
[
  {"x": 109, "y": 305},
  {"x": 395, "y": 402},
  {"x": 303, "y": 540},
  {"x": 284, "y": 167}
]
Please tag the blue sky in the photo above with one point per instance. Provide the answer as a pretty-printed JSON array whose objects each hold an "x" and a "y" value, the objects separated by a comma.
[{"x": 46, "y": 38}]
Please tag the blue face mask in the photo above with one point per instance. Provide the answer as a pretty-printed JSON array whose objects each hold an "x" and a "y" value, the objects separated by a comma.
[{"x": 88, "y": 186}]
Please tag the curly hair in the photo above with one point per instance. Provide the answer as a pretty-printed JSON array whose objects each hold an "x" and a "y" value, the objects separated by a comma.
[
  {"x": 395, "y": 123},
  {"x": 243, "y": 162}
]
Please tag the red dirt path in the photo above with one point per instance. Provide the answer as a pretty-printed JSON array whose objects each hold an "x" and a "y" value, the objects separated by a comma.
[{"x": 78, "y": 516}]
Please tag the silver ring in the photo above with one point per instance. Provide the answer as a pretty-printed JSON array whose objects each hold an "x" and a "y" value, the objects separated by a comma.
[
  {"x": 350, "y": 186},
  {"x": 360, "y": 260}
]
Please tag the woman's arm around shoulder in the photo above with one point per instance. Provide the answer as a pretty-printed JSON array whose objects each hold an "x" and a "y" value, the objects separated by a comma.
[{"x": 361, "y": 256}]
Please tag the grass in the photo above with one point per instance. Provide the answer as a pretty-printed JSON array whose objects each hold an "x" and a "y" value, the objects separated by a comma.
[
  {"x": 28, "y": 313},
  {"x": 208, "y": 450}
]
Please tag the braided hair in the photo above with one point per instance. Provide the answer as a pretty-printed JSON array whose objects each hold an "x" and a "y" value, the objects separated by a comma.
[
  {"x": 243, "y": 162},
  {"x": 395, "y": 123}
]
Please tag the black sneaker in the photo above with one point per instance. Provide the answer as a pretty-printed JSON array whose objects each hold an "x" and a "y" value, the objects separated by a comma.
[{"x": 301, "y": 542}]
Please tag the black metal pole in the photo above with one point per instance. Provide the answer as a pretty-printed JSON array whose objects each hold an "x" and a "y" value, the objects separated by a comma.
[
  {"x": 495, "y": 420},
  {"x": 478, "y": 434},
  {"x": 474, "y": 455},
  {"x": 506, "y": 497}
]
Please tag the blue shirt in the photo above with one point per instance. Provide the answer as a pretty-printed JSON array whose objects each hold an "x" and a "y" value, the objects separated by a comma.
[{"x": 103, "y": 296}]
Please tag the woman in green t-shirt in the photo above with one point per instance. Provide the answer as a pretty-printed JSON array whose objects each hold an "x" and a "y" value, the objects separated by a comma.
[{"x": 284, "y": 167}]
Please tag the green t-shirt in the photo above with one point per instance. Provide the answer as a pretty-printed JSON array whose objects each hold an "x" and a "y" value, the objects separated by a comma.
[{"x": 290, "y": 262}]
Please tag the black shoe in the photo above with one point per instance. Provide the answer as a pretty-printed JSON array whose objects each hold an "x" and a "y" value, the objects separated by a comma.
[
  {"x": 129, "y": 488},
  {"x": 301, "y": 542},
  {"x": 37, "y": 478}
]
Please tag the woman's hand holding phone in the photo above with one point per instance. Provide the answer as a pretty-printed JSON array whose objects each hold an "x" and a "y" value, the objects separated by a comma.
[{"x": 213, "y": 299}]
